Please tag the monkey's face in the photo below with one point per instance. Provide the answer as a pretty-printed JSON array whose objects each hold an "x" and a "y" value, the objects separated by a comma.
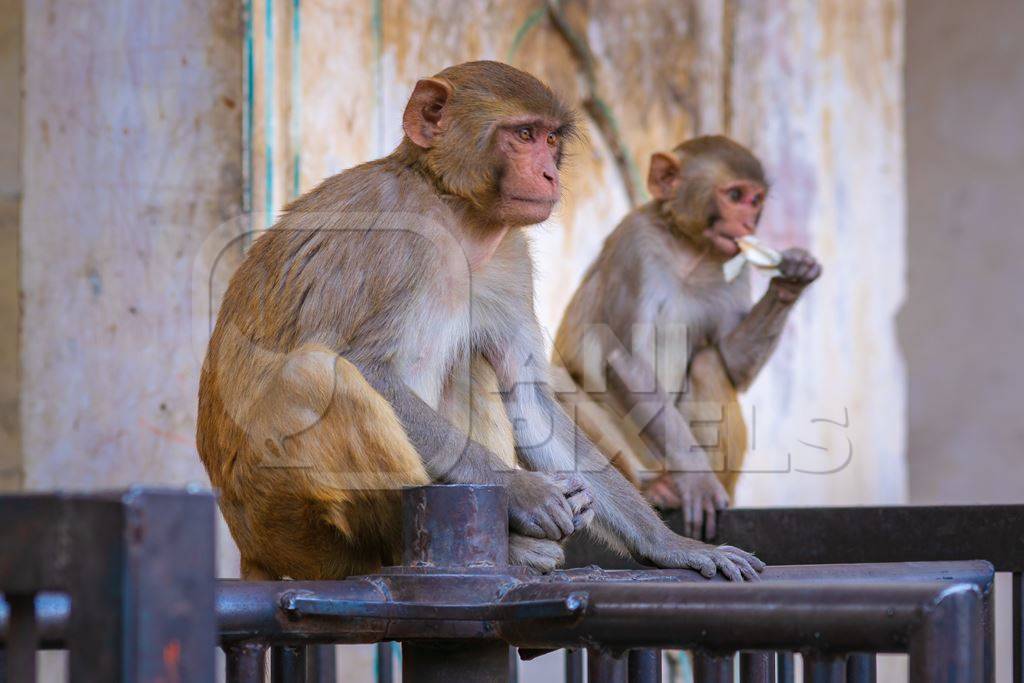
[
  {"x": 528, "y": 154},
  {"x": 734, "y": 212}
]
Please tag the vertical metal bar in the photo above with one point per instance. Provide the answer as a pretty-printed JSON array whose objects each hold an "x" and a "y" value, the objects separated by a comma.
[
  {"x": 822, "y": 668},
  {"x": 245, "y": 662},
  {"x": 385, "y": 663},
  {"x": 574, "y": 666},
  {"x": 321, "y": 664},
  {"x": 513, "y": 665},
  {"x": 1018, "y": 628},
  {"x": 22, "y": 638},
  {"x": 604, "y": 668},
  {"x": 454, "y": 526},
  {"x": 947, "y": 645},
  {"x": 142, "y": 589},
  {"x": 288, "y": 664},
  {"x": 645, "y": 666},
  {"x": 713, "y": 667},
  {"x": 757, "y": 667},
  {"x": 988, "y": 616},
  {"x": 861, "y": 668},
  {"x": 786, "y": 667}
]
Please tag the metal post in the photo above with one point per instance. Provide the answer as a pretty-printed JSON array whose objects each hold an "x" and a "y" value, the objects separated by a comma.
[
  {"x": 786, "y": 667},
  {"x": 947, "y": 646},
  {"x": 604, "y": 668},
  {"x": 757, "y": 667},
  {"x": 288, "y": 664},
  {"x": 861, "y": 668},
  {"x": 464, "y": 527},
  {"x": 574, "y": 666},
  {"x": 824, "y": 668},
  {"x": 1018, "y": 627},
  {"x": 385, "y": 663},
  {"x": 245, "y": 662},
  {"x": 321, "y": 664},
  {"x": 645, "y": 666},
  {"x": 713, "y": 667},
  {"x": 23, "y": 639}
]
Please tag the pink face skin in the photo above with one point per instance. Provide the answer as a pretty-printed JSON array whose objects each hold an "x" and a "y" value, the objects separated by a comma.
[
  {"x": 529, "y": 185},
  {"x": 739, "y": 205}
]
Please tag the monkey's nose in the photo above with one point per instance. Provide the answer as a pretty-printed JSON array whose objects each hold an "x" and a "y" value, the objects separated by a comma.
[{"x": 548, "y": 176}]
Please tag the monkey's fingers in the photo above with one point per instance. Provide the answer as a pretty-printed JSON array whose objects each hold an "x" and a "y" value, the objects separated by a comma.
[
  {"x": 727, "y": 566},
  {"x": 580, "y": 502},
  {"x": 559, "y": 516},
  {"x": 663, "y": 495},
  {"x": 710, "y": 515},
  {"x": 693, "y": 515},
  {"x": 749, "y": 557}
]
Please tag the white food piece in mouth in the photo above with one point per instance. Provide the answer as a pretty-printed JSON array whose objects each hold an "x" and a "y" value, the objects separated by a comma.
[
  {"x": 758, "y": 253},
  {"x": 753, "y": 251}
]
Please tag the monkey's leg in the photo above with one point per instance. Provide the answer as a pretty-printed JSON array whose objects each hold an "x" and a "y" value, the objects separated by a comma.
[
  {"x": 472, "y": 402},
  {"x": 609, "y": 432},
  {"x": 711, "y": 408},
  {"x": 318, "y": 496}
]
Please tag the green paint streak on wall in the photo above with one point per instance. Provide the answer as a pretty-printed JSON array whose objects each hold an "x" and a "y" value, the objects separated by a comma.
[
  {"x": 634, "y": 172},
  {"x": 295, "y": 117},
  {"x": 268, "y": 136},
  {"x": 524, "y": 30}
]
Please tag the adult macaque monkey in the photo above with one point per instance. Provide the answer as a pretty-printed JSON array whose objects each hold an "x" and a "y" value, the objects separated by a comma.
[
  {"x": 388, "y": 305},
  {"x": 658, "y": 342}
]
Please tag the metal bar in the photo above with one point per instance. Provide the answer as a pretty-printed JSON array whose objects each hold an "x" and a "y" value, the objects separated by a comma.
[
  {"x": 1018, "y": 627},
  {"x": 574, "y": 666},
  {"x": 568, "y": 607},
  {"x": 385, "y": 663},
  {"x": 602, "y": 667},
  {"x": 946, "y": 647},
  {"x": 786, "y": 667},
  {"x": 645, "y": 666},
  {"x": 757, "y": 667},
  {"x": 23, "y": 638},
  {"x": 861, "y": 668},
  {"x": 759, "y": 615},
  {"x": 513, "y": 666},
  {"x": 824, "y": 668},
  {"x": 713, "y": 667},
  {"x": 288, "y": 664},
  {"x": 878, "y": 534},
  {"x": 321, "y": 664},
  {"x": 455, "y": 526},
  {"x": 245, "y": 662}
]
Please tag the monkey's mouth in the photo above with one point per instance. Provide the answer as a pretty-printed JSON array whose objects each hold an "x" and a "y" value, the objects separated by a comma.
[{"x": 532, "y": 200}]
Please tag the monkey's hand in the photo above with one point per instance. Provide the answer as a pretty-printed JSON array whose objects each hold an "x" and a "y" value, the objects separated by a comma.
[
  {"x": 735, "y": 564},
  {"x": 698, "y": 495},
  {"x": 540, "y": 554},
  {"x": 797, "y": 270},
  {"x": 545, "y": 505}
]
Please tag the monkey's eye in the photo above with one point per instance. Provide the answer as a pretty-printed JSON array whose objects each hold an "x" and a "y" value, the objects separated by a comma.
[
  {"x": 552, "y": 138},
  {"x": 735, "y": 194},
  {"x": 525, "y": 133}
]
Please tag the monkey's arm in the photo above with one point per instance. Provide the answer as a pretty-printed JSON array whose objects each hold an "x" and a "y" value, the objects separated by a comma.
[
  {"x": 747, "y": 347},
  {"x": 547, "y": 440},
  {"x": 538, "y": 503}
]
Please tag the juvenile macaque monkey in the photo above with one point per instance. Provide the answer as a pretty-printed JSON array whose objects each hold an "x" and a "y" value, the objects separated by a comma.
[
  {"x": 658, "y": 342},
  {"x": 383, "y": 335}
]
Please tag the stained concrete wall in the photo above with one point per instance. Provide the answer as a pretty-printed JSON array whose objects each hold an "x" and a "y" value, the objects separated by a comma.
[
  {"x": 962, "y": 324},
  {"x": 11, "y": 64},
  {"x": 814, "y": 88}
]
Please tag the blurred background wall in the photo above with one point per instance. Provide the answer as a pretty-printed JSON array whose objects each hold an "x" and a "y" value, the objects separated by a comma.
[{"x": 143, "y": 142}]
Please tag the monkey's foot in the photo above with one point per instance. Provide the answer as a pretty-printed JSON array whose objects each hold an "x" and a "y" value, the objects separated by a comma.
[{"x": 536, "y": 553}]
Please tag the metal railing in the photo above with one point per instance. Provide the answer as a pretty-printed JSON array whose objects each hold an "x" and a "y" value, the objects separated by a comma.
[{"x": 454, "y": 604}]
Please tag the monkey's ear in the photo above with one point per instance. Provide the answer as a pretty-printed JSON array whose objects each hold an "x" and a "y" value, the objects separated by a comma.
[
  {"x": 663, "y": 178},
  {"x": 424, "y": 115}
]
